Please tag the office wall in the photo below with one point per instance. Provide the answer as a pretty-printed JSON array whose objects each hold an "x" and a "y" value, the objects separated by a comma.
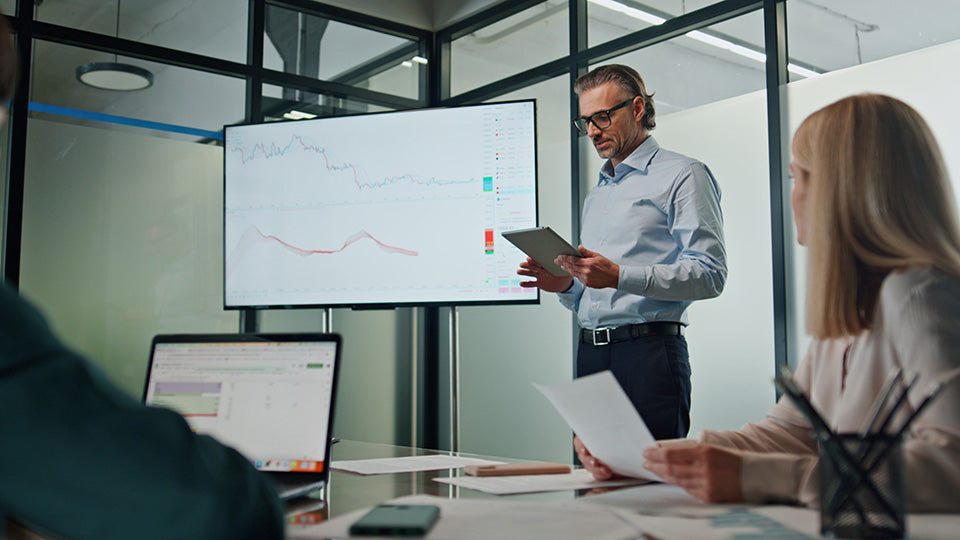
[
  {"x": 925, "y": 79},
  {"x": 122, "y": 240},
  {"x": 731, "y": 337}
]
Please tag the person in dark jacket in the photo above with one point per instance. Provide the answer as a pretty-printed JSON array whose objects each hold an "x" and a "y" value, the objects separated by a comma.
[{"x": 80, "y": 459}]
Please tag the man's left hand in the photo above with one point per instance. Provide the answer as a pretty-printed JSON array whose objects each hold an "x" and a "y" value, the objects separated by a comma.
[{"x": 592, "y": 269}]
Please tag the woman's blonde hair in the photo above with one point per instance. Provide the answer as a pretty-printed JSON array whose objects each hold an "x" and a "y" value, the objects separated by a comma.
[{"x": 879, "y": 200}]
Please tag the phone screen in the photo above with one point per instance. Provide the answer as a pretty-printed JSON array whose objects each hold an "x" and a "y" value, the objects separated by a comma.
[{"x": 396, "y": 520}]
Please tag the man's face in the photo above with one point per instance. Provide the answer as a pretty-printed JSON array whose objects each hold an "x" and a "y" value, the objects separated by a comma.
[{"x": 625, "y": 132}]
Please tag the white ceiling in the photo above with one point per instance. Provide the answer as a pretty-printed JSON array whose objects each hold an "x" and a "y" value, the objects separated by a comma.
[{"x": 426, "y": 14}]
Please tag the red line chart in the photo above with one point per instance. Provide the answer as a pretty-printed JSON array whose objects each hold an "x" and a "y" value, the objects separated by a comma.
[{"x": 356, "y": 237}]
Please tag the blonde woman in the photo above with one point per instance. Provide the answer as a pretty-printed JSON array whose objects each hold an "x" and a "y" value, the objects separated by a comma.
[{"x": 873, "y": 205}]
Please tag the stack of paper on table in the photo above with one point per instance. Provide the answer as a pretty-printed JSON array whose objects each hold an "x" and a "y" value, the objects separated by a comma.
[
  {"x": 536, "y": 483},
  {"x": 407, "y": 464}
]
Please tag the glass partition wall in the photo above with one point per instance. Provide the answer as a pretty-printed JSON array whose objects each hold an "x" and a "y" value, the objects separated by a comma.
[
  {"x": 113, "y": 209},
  {"x": 118, "y": 196}
]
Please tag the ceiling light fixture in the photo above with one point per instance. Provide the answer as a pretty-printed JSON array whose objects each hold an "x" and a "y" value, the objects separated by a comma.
[
  {"x": 114, "y": 75},
  {"x": 701, "y": 37}
]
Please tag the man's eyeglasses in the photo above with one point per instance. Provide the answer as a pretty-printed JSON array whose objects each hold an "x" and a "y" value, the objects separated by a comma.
[{"x": 599, "y": 119}]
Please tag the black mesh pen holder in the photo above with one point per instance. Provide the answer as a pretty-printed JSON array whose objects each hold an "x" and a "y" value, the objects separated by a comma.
[{"x": 862, "y": 492}]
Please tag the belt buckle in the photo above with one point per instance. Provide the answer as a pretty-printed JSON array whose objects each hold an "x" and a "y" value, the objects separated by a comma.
[{"x": 601, "y": 332}]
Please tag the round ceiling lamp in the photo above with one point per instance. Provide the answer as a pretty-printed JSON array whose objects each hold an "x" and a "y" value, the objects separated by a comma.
[{"x": 114, "y": 76}]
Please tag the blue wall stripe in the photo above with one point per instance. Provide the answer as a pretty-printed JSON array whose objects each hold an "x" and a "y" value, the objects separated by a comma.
[{"x": 113, "y": 119}]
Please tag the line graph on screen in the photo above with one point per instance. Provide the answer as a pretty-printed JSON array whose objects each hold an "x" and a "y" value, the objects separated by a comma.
[
  {"x": 298, "y": 171},
  {"x": 254, "y": 235},
  {"x": 300, "y": 143},
  {"x": 378, "y": 208}
]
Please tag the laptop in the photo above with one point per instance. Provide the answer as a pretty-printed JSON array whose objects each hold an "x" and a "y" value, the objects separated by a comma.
[{"x": 269, "y": 396}]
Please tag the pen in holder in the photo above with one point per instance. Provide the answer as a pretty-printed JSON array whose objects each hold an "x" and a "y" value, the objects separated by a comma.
[
  {"x": 863, "y": 497},
  {"x": 862, "y": 491}
]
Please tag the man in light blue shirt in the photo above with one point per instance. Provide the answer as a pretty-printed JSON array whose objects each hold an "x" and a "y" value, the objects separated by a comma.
[{"x": 651, "y": 243}]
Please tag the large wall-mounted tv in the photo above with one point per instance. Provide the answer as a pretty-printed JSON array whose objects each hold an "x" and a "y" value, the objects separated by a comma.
[{"x": 384, "y": 209}]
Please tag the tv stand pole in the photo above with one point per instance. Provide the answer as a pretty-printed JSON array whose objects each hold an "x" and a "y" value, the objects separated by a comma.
[
  {"x": 326, "y": 320},
  {"x": 454, "y": 379}
]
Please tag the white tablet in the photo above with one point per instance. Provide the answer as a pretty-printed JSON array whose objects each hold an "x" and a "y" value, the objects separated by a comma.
[{"x": 543, "y": 245}]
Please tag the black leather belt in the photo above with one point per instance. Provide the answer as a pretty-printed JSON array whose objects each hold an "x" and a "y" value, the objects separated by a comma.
[{"x": 606, "y": 336}]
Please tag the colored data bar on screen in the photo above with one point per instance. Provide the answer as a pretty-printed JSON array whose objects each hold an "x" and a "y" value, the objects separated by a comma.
[
  {"x": 288, "y": 465},
  {"x": 488, "y": 241},
  {"x": 510, "y": 286},
  {"x": 306, "y": 518},
  {"x": 488, "y": 183}
]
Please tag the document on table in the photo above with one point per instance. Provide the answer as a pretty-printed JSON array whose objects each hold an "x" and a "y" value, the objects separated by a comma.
[
  {"x": 407, "y": 464},
  {"x": 599, "y": 412},
  {"x": 536, "y": 483}
]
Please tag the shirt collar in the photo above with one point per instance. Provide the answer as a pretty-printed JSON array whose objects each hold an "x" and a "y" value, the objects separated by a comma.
[{"x": 638, "y": 160}]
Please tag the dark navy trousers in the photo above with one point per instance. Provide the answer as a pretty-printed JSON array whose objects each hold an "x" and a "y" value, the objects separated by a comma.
[{"x": 654, "y": 371}]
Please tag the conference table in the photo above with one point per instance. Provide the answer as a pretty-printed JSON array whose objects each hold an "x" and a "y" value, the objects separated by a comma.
[
  {"x": 648, "y": 510},
  {"x": 644, "y": 511}
]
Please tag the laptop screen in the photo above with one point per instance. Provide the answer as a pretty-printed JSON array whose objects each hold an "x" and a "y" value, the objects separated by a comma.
[{"x": 268, "y": 396}]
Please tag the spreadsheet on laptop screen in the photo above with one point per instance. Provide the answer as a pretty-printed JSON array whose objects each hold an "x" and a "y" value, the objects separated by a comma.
[{"x": 270, "y": 401}]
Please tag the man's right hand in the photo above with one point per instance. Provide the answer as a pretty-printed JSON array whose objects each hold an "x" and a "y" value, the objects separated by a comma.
[{"x": 543, "y": 279}]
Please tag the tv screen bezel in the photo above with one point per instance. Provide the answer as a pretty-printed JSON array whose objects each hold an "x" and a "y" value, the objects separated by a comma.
[{"x": 378, "y": 305}]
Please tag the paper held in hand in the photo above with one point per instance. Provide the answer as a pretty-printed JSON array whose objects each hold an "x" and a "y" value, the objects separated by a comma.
[{"x": 599, "y": 412}]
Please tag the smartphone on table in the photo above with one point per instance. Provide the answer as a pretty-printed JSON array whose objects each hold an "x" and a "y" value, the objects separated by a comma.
[{"x": 396, "y": 520}]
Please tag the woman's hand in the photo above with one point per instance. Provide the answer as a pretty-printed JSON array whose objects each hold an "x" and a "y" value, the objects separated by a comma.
[
  {"x": 709, "y": 473},
  {"x": 592, "y": 464}
]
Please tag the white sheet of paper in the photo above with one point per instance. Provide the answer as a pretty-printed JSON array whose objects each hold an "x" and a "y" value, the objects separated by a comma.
[
  {"x": 407, "y": 464},
  {"x": 535, "y": 483},
  {"x": 599, "y": 412}
]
